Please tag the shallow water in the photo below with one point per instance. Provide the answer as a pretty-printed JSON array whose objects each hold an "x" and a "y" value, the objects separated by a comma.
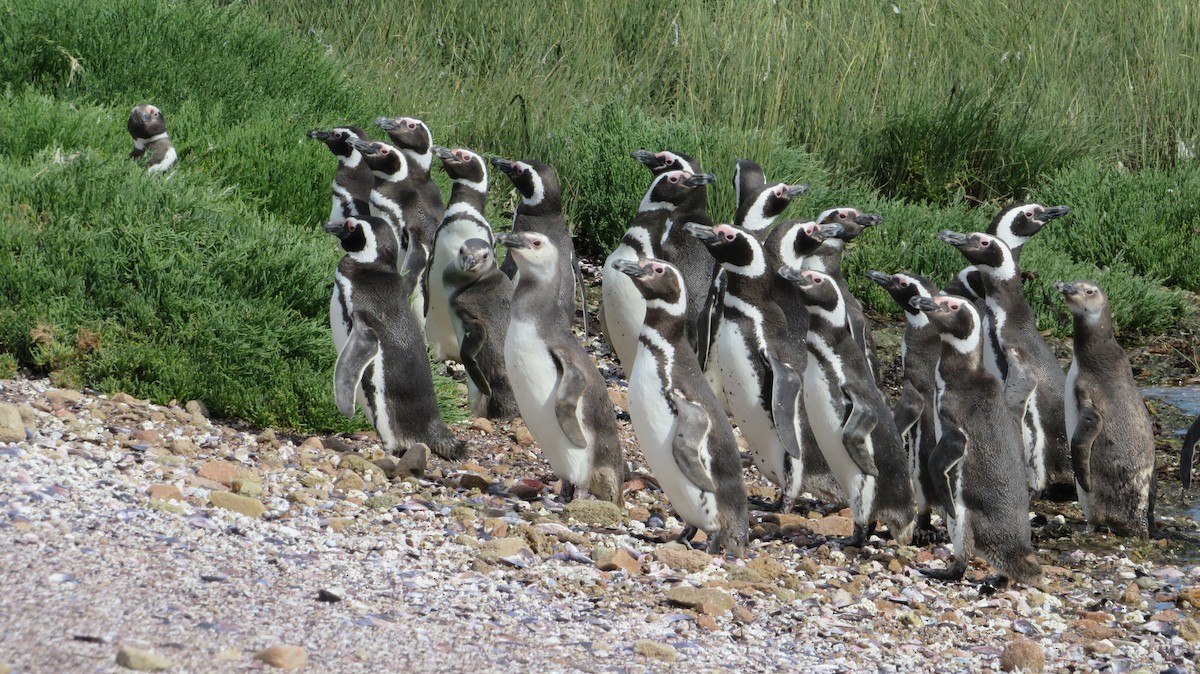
[
  {"x": 1186, "y": 398},
  {"x": 1171, "y": 499}
]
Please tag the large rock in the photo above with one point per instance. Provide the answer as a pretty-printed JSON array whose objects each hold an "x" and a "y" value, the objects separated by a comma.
[
  {"x": 655, "y": 649},
  {"x": 502, "y": 547},
  {"x": 220, "y": 471},
  {"x": 283, "y": 657},
  {"x": 687, "y": 560},
  {"x": 705, "y": 600},
  {"x": 250, "y": 507},
  {"x": 12, "y": 428},
  {"x": 140, "y": 660},
  {"x": 1023, "y": 655},
  {"x": 619, "y": 559},
  {"x": 595, "y": 513},
  {"x": 369, "y": 471}
]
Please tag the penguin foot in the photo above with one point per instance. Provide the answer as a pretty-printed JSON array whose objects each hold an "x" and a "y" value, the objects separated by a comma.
[
  {"x": 954, "y": 572},
  {"x": 567, "y": 492},
  {"x": 930, "y": 536},
  {"x": 862, "y": 534},
  {"x": 1061, "y": 492},
  {"x": 686, "y": 536},
  {"x": 762, "y": 504}
]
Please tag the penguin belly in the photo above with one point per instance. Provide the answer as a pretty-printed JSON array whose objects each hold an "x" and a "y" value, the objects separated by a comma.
[
  {"x": 825, "y": 414},
  {"x": 340, "y": 308},
  {"x": 440, "y": 334},
  {"x": 654, "y": 425},
  {"x": 624, "y": 309},
  {"x": 533, "y": 377},
  {"x": 741, "y": 385}
]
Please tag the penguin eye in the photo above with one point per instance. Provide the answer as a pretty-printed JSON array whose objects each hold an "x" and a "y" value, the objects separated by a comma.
[
  {"x": 338, "y": 134},
  {"x": 903, "y": 283},
  {"x": 953, "y": 306},
  {"x": 537, "y": 243},
  {"x": 817, "y": 279},
  {"x": 383, "y": 150},
  {"x": 351, "y": 225},
  {"x": 841, "y": 215},
  {"x": 729, "y": 236},
  {"x": 658, "y": 269},
  {"x": 985, "y": 243},
  {"x": 1091, "y": 292},
  {"x": 1029, "y": 214},
  {"x": 673, "y": 178}
]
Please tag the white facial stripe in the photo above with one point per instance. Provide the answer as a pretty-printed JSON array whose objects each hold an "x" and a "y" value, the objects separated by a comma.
[
  {"x": 661, "y": 344},
  {"x": 787, "y": 252},
  {"x": 477, "y": 185},
  {"x": 1004, "y": 230},
  {"x": 423, "y": 159},
  {"x": 353, "y": 160},
  {"x": 676, "y": 308},
  {"x": 539, "y": 190},
  {"x": 370, "y": 251},
  {"x": 971, "y": 343},
  {"x": 388, "y": 209},
  {"x": 1007, "y": 268},
  {"x": 641, "y": 237},
  {"x": 647, "y": 203},
  {"x": 682, "y": 164},
  {"x": 755, "y": 220},
  {"x": 758, "y": 263}
]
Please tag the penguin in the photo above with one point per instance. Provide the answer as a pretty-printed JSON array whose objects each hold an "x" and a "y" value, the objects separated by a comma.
[
  {"x": 850, "y": 418},
  {"x": 423, "y": 206},
  {"x": 681, "y": 429},
  {"x": 353, "y": 181},
  {"x": 915, "y": 413},
  {"x": 149, "y": 130},
  {"x": 756, "y": 387},
  {"x": 1010, "y": 323},
  {"x": 1186, "y": 453},
  {"x": 560, "y": 393},
  {"x": 384, "y": 352},
  {"x": 1015, "y": 225},
  {"x": 463, "y": 220},
  {"x": 623, "y": 305},
  {"x": 479, "y": 301},
  {"x": 978, "y": 449},
  {"x": 540, "y": 211},
  {"x": 1110, "y": 432},
  {"x": 680, "y": 249}
]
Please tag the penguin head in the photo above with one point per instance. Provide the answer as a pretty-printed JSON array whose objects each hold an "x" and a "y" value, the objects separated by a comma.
[
  {"x": 904, "y": 287},
  {"x": 759, "y": 212},
  {"x": 981, "y": 250},
  {"x": 1084, "y": 299},
  {"x": 537, "y": 183},
  {"x": 366, "y": 239},
  {"x": 793, "y": 240},
  {"x": 408, "y": 133},
  {"x": 476, "y": 256},
  {"x": 338, "y": 139},
  {"x": 535, "y": 254},
  {"x": 661, "y": 162},
  {"x": 659, "y": 282},
  {"x": 674, "y": 187},
  {"x": 384, "y": 160},
  {"x": 1017, "y": 223},
  {"x": 955, "y": 318},
  {"x": 463, "y": 164},
  {"x": 732, "y": 246},
  {"x": 817, "y": 290},
  {"x": 852, "y": 221},
  {"x": 146, "y": 121}
]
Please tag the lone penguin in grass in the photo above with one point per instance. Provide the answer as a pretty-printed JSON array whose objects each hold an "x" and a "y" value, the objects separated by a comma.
[
  {"x": 561, "y": 394},
  {"x": 384, "y": 351},
  {"x": 683, "y": 432},
  {"x": 1111, "y": 435},
  {"x": 353, "y": 180},
  {"x": 979, "y": 448},
  {"x": 1015, "y": 225},
  {"x": 850, "y": 418},
  {"x": 1010, "y": 324},
  {"x": 915, "y": 413},
  {"x": 463, "y": 220},
  {"x": 148, "y": 128},
  {"x": 540, "y": 210},
  {"x": 480, "y": 298}
]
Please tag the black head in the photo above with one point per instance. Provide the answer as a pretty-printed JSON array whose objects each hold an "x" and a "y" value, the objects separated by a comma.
[
  {"x": 731, "y": 246},
  {"x": 955, "y": 318},
  {"x": 667, "y": 160},
  {"x": 537, "y": 183},
  {"x": 675, "y": 187},
  {"x": 462, "y": 164},
  {"x": 338, "y": 138},
  {"x": 852, "y": 221},
  {"x": 1017, "y": 223},
  {"x": 766, "y": 204},
  {"x": 381, "y": 157},
  {"x": 408, "y": 133},
  {"x": 366, "y": 239},
  {"x": 658, "y": 281},
  {"x": 817, "y": 290},
  {"x": 794, "y": 240},
  {"x": 904, "y": 287},
  {"x": 748, "y": 180},
  {"x": 981, "y": 250},
  {"x": 146, "y": 121}
]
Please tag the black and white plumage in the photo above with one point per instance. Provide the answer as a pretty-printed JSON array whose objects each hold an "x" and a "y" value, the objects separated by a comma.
[
  {"x": 148, "y": 127},
  {"x": 384, "y": 351},
  {"x": 1015, "y": 225},
  {"x": 1110, "y": 432},
  {"x": 978, "y": 449},
  {"x": 681, "y": 429},
  {"x": 353, "y": 180},
  {"x": 422, "y": 203}
]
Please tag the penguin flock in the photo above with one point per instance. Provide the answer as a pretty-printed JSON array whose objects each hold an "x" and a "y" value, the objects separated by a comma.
[{"x": 748, "y": 325}]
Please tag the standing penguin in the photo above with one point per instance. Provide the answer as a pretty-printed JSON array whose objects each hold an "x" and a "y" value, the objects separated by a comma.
[
  {"x": 540, "y": 211},
  {"x": 978, "y": 449},
  {"x": 384, "y": 351},
  {"x": 1010, "y": 323},
  {"x": 353, "y": 180},
  {"x": 829, "y": 261},
  {"x": 850, "y": 418},
  {"x": 681, "y": 429},
  {"x": 1111, "y": 436},
  {"x": 149, "y": 130},
  {"x": 622, "y": 303},
  {"x": 463, "y": 220},
  {"x": 480, "y": 297},
  {"x": 423, "y": 206},
  {"x": 915, "y": 413},
  {"x": 561, "y": 394},
  {"x": 1015, "y": 225}
]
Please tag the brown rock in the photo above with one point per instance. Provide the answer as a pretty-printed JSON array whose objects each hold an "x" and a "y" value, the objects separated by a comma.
[
  {"x": 706, "y": 622},
  {"x": 1098, "y": 616},
  {"x": 197, "y": 409},
  {"x": 148, "y": 436},
  {"x": 348, "y": 480},
  {"x": 413, "y": 462},
  {"x": 219, "y": 471},
  {"x": 164, "y": 492},
  {"x": 12, "y": 428},
  {"x": 638, "y": 514},
  {"x": 1102, "y": 647},
  {"x": 687, "y": 560},
  {"x": 1090, "y": 630},
  {"x": 767, "y": 567},
  {"x": 656, "y": 650},
  {"x": 1189, "y": 630},
  {"x": 338, "y": 524},
  {"x": 1168, "y": 616},
  {"x": 283, "y": 657},
  {"x": 707, "y": 599},
  {"x": 268, "y": 438},
  {"x": 250, "y": 507},
  {"x": 502, "y": 547},
  {"x": 470, "y": 480},
  {"x": 522, "y": 435},
  {"x": 483, "y": 424},
  {"x": 743, "y": 614},
  {"x": 833, "y": 525},
  {"x": 619, "y": 399},
  {"x": 1190, "y": 596},
  {"x": 59, "y": 398},
  {"x": 527, "y": 489},
  {"x": 312, "y": 442},
  {"x": 1131, "y": 596},
  {"x": 619, "y": 560},
  {"x": 183, "y": 446},
  {"x": 141, "y": 660},
  {"x": 810, "y": 566},
  {"x": 1024, "y": 655}
]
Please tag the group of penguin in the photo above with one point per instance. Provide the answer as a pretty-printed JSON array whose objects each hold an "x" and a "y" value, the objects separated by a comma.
[{"x": 749, "y": 324}]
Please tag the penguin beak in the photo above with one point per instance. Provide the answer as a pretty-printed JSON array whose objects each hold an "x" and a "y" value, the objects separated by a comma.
[
  {"x": 701, "y": 232},
  {"x": 830, "y": 231},
  {"x": 386, "y": 123},
  {"x": 954, "y": 238},
  {"x": 885, "y": 280},
  {"x": 1052, "y": 213},
  {"x": 469, "y": 261},
  {"x": 1066, "y": 288},
  {"x": 700, "y": 180},
  {"x": 441, "y": 153},
  {"x": 503, "y": 165},
  {"x": 868, "y": 220},
  {"x": 631, "y": 268},
  {"x": 794, "y": 191},
  {"x": 648, "y": 158},
  {"x": 795, "y": 276},
  {"x": 925, "y": 304},
  {"x": 512, "y": 240},
  {"x": 144, "y": 116},
  {"x": 363, "y": 146},
  {"x": 318, "y": 134},
  {"x": 337, "y": 229}
]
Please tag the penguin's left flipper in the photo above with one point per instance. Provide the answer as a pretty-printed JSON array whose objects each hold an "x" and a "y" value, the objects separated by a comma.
[
  {"x": 709, "y": 318},
  {"x": 785, "y": 394},
  {"x": 1018, "y": 385},
  {"x": 474, "y": 337},
  {"x": 856, "y": 432},
  {"x": 950, "y": 450},
  {"x": 691, "y": 428},
  {"x": 359, "y": 351},
  {"x": 567, "y": 393},
  {"x": 582, "y": 290},
  {"x": 1087, "y": 429},
  {"x": 907, "y": 413}
]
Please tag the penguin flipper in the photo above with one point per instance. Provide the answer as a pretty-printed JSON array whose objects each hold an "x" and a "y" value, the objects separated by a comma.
[
  {"x": 474, "y": 338},
  {"x": 1018, "y": 385},
  {"x": 567, "y": 393},
  {"x": 360, "y": 350},
  {"x": 710, "y": 317},
  {"x": 581, "y": 289},
  {"x": 1087, "y": 429},
  {"x": 950, "y": 450},
  {"x": 785, "y": 397},
  {"x": 691, "y": 428},
  {"x": 1186, "y": 452},
  {"x": 856, "y": 432},
  {"x": 907, "y": 413}
]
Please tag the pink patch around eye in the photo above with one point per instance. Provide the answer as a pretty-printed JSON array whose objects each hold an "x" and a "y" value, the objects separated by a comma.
[
  {"x": 953, "y": 306},
  {"x": 658, "y": 269}
]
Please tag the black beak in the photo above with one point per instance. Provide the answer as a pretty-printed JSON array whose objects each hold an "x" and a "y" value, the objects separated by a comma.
[
  {"x": 1052, "y": 213},
  {"x": 511, "y": 239},
  {"x": 885, "y": 280},
  {"x": 337, "y": 229},
  {"x": 795, "y": 276},
  {"x": 869, "y": 219},
  {"x": 1066, "y": 288},
  {"x": 648, "y": 158},
  {"x": 794, "y": 191},
  {"x": 923, "y": 304},
  {"x": 318, "y": 134},
  {"x": 441, "y": 152},
  {"x": 630, "y": 268},
  {"x": 954, "y": 238},
  {"x": 701, "y": 232},
  {"x": 363, "y": 146},
  {"x": 699, "y": 180},
  {"x": 830, "y": 231},
  {"x": 504, "y": 165},
  {"x": 386, "y": 123}
]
